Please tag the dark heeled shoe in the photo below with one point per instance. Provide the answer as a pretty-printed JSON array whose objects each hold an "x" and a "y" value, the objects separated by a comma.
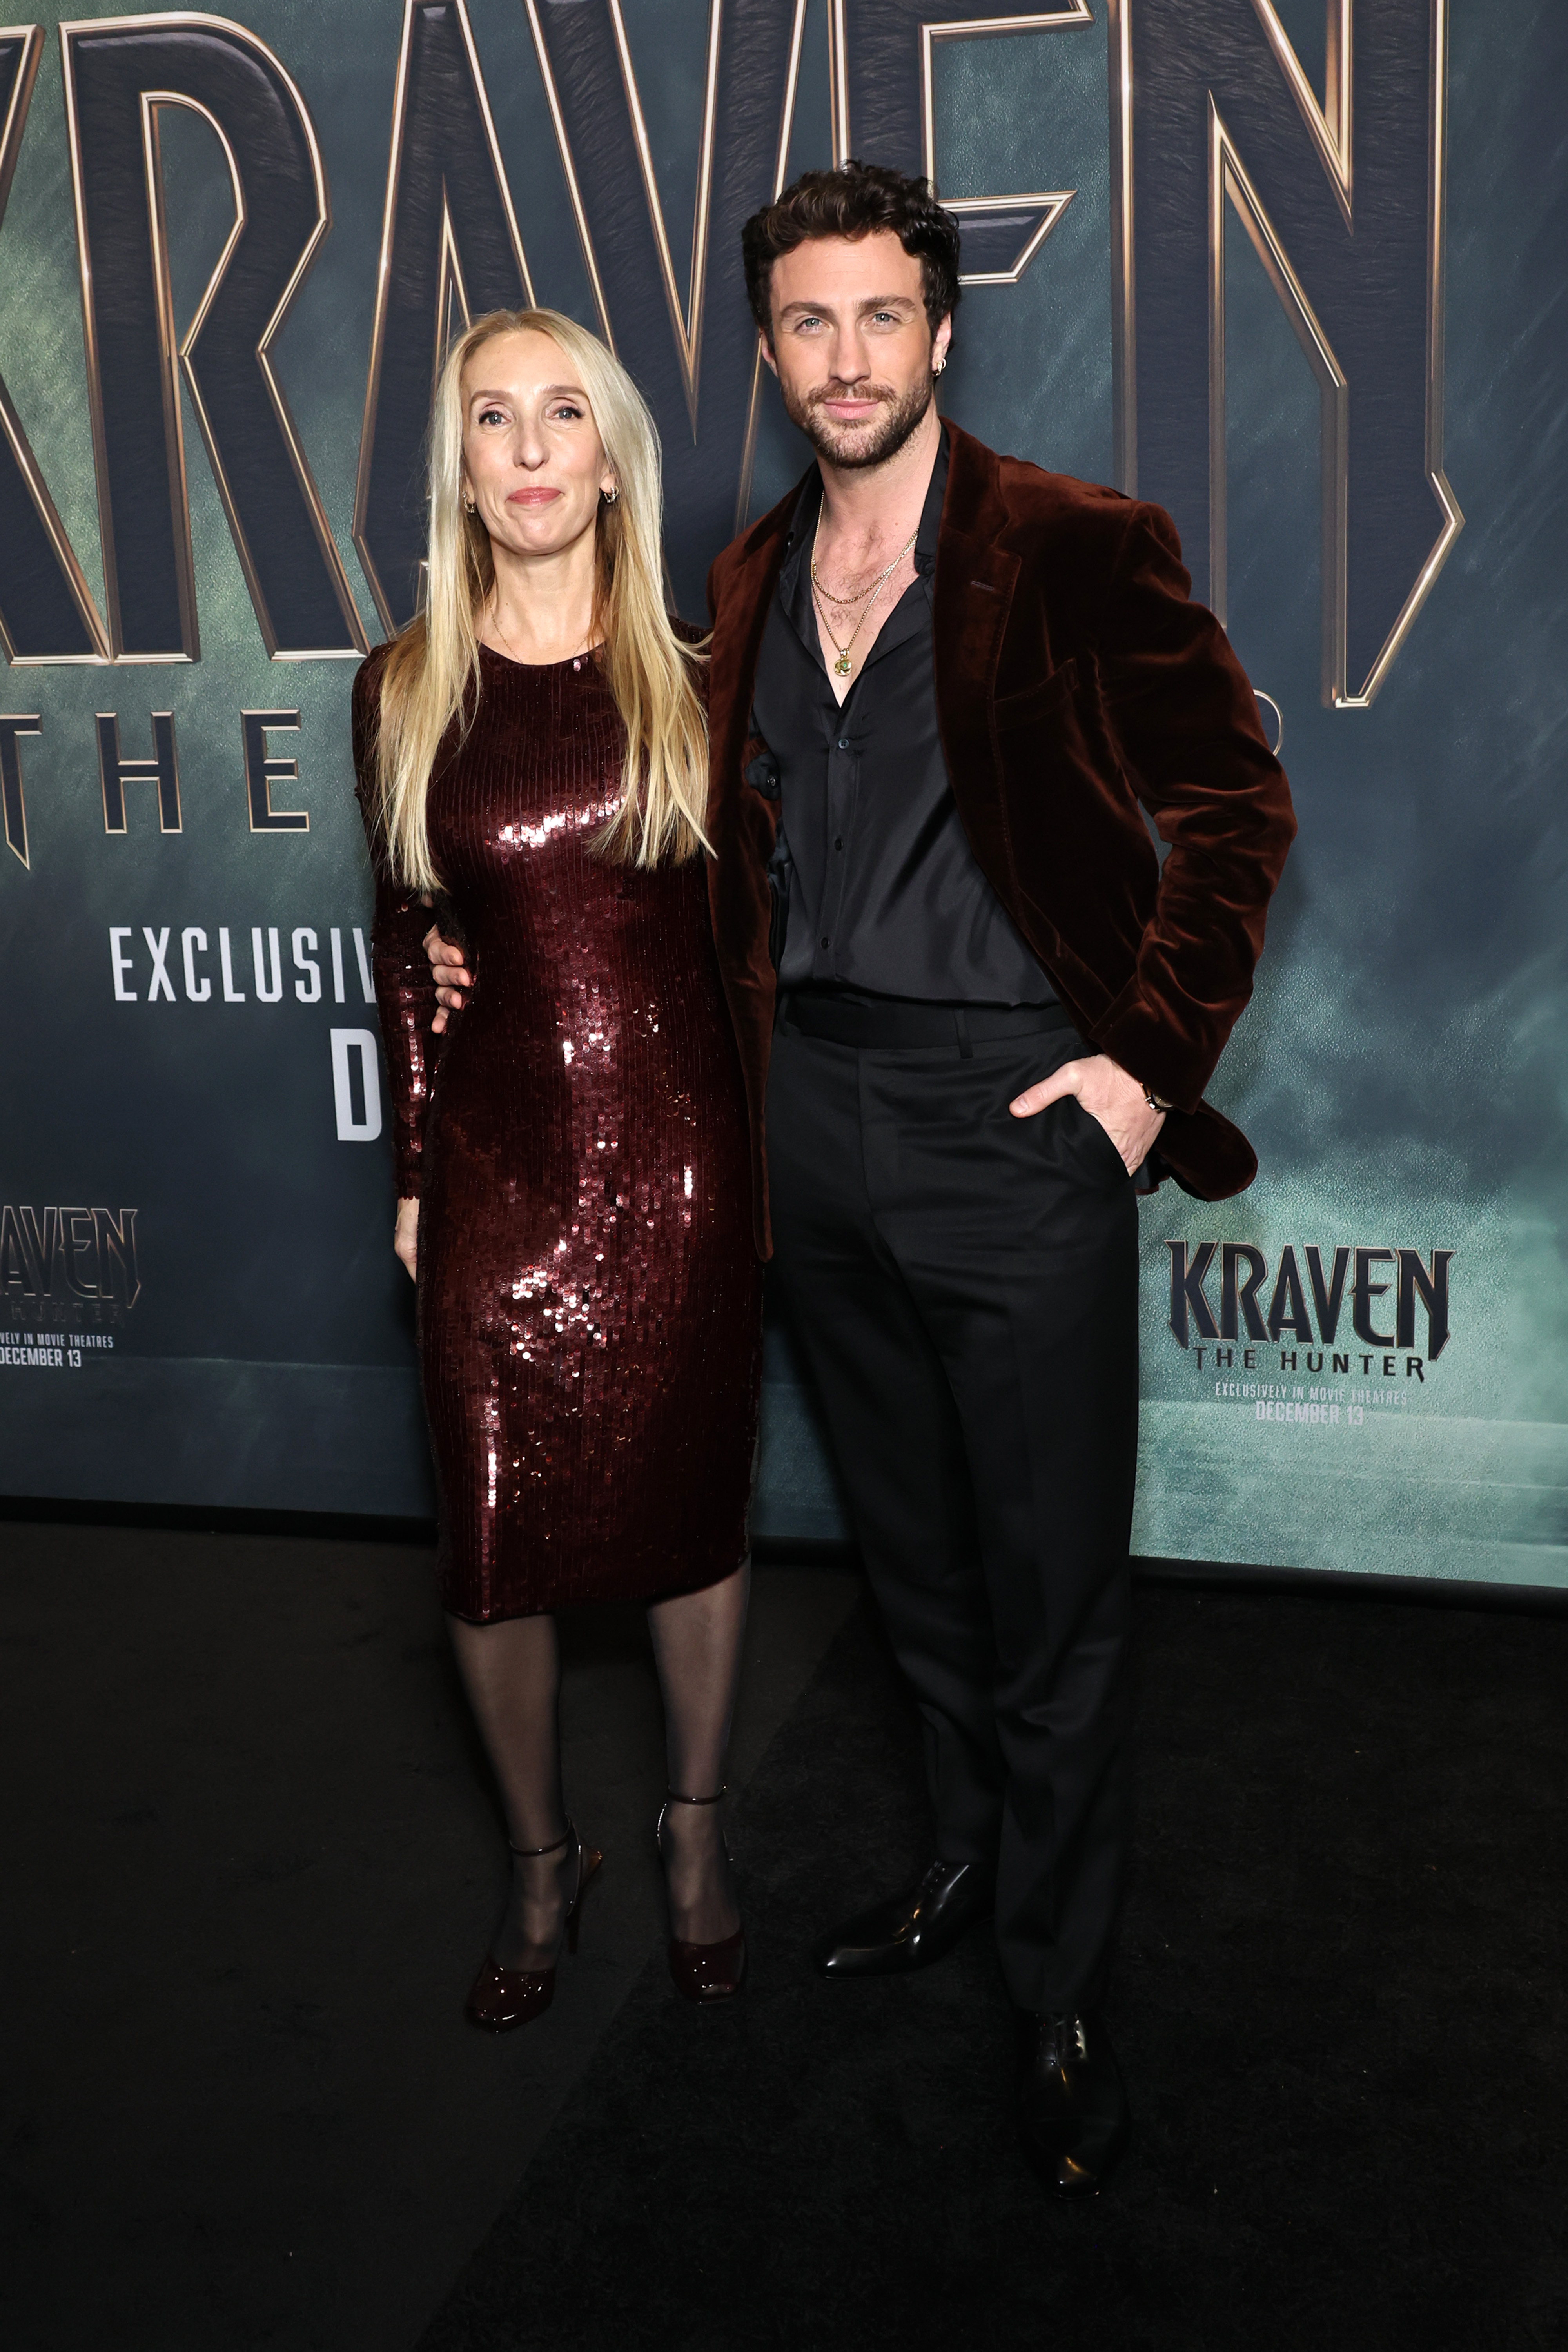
[
  {"x": 703, "y": 1972},
  {"x": 502, "y": 1997}
]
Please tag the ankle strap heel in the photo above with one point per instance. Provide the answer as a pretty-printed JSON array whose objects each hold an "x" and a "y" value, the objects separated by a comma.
[
  {"x": 704, "y": 1973},
  {"x": 565, "y": 1838},
  {"x": 502, "y": 1997},
  {"x": 675, "y": 1797}
]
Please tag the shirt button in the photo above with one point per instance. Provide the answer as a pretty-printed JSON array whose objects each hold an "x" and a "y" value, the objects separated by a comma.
[
  {"x": 839, "y": 844},
  {"x": 825, "y": 942},
  {"x": 844, "y": 742}
]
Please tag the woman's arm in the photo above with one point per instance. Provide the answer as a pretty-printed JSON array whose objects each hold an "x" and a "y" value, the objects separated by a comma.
[{"x": 405, "y": 990}]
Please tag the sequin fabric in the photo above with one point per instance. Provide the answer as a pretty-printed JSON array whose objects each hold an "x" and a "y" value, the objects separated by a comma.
[{"x": 589, "y": 1298}]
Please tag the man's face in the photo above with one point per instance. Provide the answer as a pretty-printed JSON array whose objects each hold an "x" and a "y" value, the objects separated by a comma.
[{"x": 851, "y": 348}]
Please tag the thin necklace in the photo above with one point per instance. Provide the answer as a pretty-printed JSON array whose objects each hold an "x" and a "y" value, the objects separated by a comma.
[
  {"x": 843, "y": 665},
  {"x": 511, "y": 649},
  {"x": 859, "y": 593},
  {"x": 846, "y": 602}
]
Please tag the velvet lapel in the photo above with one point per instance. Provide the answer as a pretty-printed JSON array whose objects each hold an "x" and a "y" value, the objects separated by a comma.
[
  {"x": 737, "y": 643},
  {"x": 740, "y": 821},
  {"x": 975, "y": 579}
]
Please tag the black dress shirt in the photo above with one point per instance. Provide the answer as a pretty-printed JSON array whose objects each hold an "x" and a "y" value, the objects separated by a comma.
[{"x": 882, "y": 890}]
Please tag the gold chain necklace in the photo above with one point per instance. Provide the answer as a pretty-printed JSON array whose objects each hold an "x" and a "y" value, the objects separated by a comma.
[
  {"x": 843, "y": 666},
  {"x": 494, "y": 609},
  {"x": 844, "y": 602}
]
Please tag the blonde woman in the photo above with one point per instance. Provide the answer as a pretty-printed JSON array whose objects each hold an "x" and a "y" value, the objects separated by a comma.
[{"x": 573, "y": 1159}]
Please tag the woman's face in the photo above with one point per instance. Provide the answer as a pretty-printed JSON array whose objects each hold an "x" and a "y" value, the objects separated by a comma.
[{"x": 532, "y": 460}]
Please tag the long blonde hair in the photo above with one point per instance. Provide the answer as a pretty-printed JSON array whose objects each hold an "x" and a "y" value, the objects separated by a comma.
[{"x": 431, "y": 674}]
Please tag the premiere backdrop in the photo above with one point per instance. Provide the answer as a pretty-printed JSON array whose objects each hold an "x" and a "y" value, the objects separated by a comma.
[{"x": 1294, "y": 270}]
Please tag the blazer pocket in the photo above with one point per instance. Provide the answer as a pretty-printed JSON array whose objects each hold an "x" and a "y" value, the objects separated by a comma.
[
  {"x": 1017, "y": 713},
  {"x": 1097, "y": 1142}
]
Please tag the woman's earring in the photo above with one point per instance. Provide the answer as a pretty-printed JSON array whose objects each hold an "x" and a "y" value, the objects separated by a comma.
[
  {"x": 609, "y": 496},
  {"x": 469, "y": 507}
]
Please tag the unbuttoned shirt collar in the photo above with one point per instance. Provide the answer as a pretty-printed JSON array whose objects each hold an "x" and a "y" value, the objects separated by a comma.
[{"x": 910, "y": 613}]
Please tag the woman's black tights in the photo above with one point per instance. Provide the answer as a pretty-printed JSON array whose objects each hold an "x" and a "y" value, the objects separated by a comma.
[{"x": 511, "y": 1671}]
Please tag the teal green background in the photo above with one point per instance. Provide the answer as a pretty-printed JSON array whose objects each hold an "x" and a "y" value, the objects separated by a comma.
[{"x": 1401, "y": 1071}]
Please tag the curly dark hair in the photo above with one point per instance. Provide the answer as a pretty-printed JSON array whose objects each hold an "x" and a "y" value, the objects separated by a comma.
[{"x": 855, "y": 202}]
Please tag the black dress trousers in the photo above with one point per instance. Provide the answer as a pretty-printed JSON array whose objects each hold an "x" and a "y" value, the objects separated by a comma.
[{"x": 964, "y": 1287}]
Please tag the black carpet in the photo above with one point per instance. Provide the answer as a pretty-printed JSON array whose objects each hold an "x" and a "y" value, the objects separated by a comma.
[
  {"x": 1338, "y": 2009},
  {"x": 249, "y": 1858}
]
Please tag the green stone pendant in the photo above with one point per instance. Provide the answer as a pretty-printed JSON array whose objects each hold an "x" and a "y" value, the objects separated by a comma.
[{"x": 842, "y": 666}]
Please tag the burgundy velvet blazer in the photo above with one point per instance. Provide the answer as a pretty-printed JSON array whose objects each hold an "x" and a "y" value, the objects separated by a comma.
[{"x": 1075, "y": 678}]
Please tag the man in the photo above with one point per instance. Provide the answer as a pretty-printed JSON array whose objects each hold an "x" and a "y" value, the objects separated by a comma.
[{"x": 973, "y": 1009}]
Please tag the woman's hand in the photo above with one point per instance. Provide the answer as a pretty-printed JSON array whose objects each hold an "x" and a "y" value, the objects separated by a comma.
[
  {"x": 447, "y": 971},
  {"x": 406, "y": 1236},
  {"x": 1116, "y": 1101}
]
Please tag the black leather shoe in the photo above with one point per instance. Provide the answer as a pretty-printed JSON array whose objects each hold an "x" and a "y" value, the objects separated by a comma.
[
  {"x": 1072, "y": 2109},
  {"x": 909, "y": 1930}
]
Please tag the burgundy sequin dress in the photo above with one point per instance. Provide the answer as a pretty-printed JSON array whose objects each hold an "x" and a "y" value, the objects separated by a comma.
[{"x": 589, "y": 1298}]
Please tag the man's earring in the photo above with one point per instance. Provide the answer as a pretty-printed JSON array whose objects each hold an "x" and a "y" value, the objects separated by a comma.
[{"x": 940, "y": 363}]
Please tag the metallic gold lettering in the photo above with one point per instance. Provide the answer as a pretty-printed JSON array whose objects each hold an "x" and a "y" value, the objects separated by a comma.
[
  {"x": 1368, "y": 310},
  {"x": 262, "y": 771},
  {"x": 115, "y": 773},
  {"x": 120, "y": 73},
  {"x": 18, "y": 1272},
  {"x": 882, "y": 87},
  {"x": 695, "y": 359},
  {"x": 115, "y": 1248},
  {"x": 46, "y": 611},
  {"x": 11, "y": 726},
  {"x": 40, "y": 1247},
  {"x": 449, "y": 243},
  {"x": 1229, "y": 181},
  {"x": 881, "y": 69},
  {"x": 76, "y": 1241},
  {"x": 1328, "y": 120}
]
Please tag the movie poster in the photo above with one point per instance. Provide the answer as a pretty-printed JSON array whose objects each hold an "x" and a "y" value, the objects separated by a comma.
[{"x": 1291, "y": 269}]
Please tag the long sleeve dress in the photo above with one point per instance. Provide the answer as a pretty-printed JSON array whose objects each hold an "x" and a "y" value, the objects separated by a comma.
[{"x": 589, "y": 1298}]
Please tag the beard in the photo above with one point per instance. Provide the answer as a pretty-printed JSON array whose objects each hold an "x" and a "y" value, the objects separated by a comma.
[{"x": 854, "y": 447}]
